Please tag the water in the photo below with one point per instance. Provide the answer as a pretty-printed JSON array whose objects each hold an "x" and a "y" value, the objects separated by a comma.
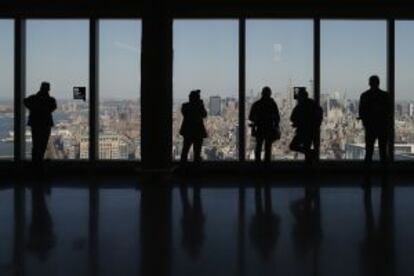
[
  {"x": 6, "y": 148},
  {"x": 6, "y": 125}
]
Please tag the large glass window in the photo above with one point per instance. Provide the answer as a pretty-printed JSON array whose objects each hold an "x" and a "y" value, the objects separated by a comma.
[
  {"x": 404, "y": 99},
  {"x": 206, "y": 58},
  {"x": 58, "y": 52},
  {"x": 279, "y": 54},
  {"x": 351, "y": 51},
  {"x": 6, "y": 89},
  {"x": 119, "y": 89}
]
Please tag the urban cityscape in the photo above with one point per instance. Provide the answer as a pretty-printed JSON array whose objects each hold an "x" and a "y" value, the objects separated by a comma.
[
  {"x": 119, "y": 131},
  {"x": 342, "y": 136}
]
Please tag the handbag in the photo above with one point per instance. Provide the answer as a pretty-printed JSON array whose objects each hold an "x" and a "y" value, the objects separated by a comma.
[{"x": 276, "y": 133}]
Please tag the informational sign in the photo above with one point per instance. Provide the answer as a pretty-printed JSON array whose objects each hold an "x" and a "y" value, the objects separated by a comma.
[{"x": 79, "y": 93}]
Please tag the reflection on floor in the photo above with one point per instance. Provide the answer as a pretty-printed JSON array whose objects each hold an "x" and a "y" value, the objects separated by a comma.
[{"x": 194, "y": 227}]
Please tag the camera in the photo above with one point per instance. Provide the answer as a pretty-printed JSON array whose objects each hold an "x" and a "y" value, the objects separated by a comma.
[{"x": 298, "y": 90}]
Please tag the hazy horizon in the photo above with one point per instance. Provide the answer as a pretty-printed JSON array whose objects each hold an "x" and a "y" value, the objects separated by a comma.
[{"x": 278, "y": 53}]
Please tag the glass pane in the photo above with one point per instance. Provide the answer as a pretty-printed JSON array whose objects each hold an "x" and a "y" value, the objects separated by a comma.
[
  {"x": 6, "y": 88},
  {"x": 404, "y": 99},
  {"x": 351, "y": 51},
  {"x": 119, "y": 89},
  {"x": 279, "y": 54},
  {"x": 206, "y": 58},
  {"x": 58, "y": 52}
]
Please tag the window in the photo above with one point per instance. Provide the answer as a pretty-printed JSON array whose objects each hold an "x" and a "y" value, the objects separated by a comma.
[
  {"x": 404, "y": 100},
  {"x": 119, "y": 89},
  {"x": 279, "y": 54},
  {"x": 351, "y": 51},
  {"x": 57, "y": 51},
  {"x": 6, "y": 89},
  {"x": 206, "y": 58}
]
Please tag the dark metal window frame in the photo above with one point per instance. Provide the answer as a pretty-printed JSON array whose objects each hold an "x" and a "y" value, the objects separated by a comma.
[
  {"x": 20, "y": 63},
  {"x": 20, "y": 88},
  {"x": 241, "y": 84}
]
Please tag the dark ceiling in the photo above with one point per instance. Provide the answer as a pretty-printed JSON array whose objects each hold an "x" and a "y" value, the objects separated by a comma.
[{"x": 218, "y": 8}]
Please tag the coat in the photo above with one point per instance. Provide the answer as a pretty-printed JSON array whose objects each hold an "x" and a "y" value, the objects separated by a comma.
[
  {"x": 193, "y": 126},
  {"x": 41, "y": 107}
]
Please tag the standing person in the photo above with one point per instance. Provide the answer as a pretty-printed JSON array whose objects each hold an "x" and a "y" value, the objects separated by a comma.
[
  {"x": 41, "y": 105},
  {"x": 192, "y": 128},
  {"x": 374, "y": 111},
  {"x": 265, "y": 119},
  {"x": 306, "y": 117}
]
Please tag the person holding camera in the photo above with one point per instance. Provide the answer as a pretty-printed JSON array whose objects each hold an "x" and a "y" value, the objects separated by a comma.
[
  {"x": 41, "y": 106},
  {"x": 192, "y": 128},
  {"x": 265, "y": 118},
  {"x": 306, "y": 117}
]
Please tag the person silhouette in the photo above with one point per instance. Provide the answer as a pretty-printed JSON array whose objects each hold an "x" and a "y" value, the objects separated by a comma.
[
  {"x": 41, "y": 105},
  {"x": 265, "y": 118},
  {"x": 307, "y": 229},
  {"x": 374, "y": 111},
  {"x": 306, "y": 117},
  {"x": 193, "y": 221},
  {"x": 192, "y": 128}
]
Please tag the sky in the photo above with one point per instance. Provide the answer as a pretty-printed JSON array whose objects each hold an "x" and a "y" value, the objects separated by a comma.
[
  {"x": 352, "y": 51},
  {"x": 279, "y": 53},
  {"x": 206, "y": 56},
  {"x": 6, "y": 59}
]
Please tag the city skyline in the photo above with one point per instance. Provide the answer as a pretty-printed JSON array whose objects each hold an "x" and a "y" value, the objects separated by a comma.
[{"x": 279, "y": 54}]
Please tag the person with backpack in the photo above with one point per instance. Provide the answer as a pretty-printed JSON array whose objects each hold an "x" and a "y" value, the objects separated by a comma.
[{"x": 306, "y": 117}]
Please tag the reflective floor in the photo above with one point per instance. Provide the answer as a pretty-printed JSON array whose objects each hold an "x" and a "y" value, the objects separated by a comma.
[{"x": 216, "y": 226}]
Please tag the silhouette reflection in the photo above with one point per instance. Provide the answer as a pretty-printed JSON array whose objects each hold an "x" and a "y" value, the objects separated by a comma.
[
  {"x": 307, "y": 230},
  {"x": 41, "y": 238},
  {"x": 242, "y": 240},
  {"x": 192, "y": 221},
  {"x": 265, "y": 224},
  {"x": 377, "y": 250}
]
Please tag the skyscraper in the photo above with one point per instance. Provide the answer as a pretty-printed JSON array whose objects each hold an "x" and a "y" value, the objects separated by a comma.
[{"x": 215, "y": 106}]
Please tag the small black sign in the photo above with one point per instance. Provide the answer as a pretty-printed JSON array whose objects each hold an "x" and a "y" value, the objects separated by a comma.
[{"x": 79, "y": 93}]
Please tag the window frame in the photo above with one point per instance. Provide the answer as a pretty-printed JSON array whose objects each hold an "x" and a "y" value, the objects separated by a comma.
[{"x": 241, "y": 17}]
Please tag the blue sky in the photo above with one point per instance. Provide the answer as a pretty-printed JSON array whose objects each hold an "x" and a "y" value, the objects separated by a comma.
[
  {"x": 351, "y": 51},
  {"x": 206, "y": 56},
  {"x": 278, "y": 53},
  {"x": 58, "y": 52},
  {"x": 6, "y": 59}
]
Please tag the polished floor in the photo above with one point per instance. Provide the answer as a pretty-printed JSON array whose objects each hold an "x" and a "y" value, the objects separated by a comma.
[{"x": 332, "y": 225}]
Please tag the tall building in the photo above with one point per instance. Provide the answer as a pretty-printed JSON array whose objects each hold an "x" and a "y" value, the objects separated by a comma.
[
  {"x": 215, "y": 106},
  {"x": 111, "y": 146}
]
